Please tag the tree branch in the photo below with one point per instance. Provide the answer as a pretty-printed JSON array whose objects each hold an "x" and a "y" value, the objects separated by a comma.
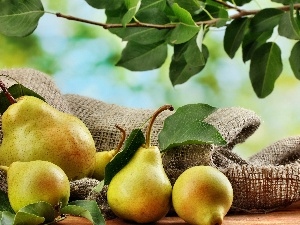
[{"x": 241, "y": 13}]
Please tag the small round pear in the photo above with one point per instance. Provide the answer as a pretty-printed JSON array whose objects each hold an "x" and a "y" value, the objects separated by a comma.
[
  {"x": 202, "y": 195},
  {"x": 34, "y": 181},
  {"x": 104, "y": 157}
]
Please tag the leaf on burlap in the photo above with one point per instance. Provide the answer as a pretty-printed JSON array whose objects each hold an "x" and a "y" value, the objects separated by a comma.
[
  {"x": 20, "y": 18},
  {"x": 186, "y": 126}
]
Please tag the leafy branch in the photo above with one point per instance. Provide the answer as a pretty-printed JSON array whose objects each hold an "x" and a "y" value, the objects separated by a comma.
[
  {"x": 241, "y": 13},
  {"x": 149, "y": 26}
]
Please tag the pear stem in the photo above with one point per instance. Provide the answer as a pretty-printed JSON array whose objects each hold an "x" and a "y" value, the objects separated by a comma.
[
  {"x": 156, "y": 113},
  {"x": 122, "y": 138},
  {"x": 4, "y": 168},
  {"x": 7, "y": 94}
]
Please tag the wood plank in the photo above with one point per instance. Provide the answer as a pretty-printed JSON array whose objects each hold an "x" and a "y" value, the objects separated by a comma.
[{"x": 287, "y": 216}]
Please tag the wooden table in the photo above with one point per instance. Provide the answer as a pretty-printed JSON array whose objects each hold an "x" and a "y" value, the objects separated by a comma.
[{"x": 289, "y": 215}]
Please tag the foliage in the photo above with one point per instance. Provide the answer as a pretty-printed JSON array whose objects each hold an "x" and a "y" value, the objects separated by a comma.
[
  {"x": 149, "y": 27},
  {"x": 44, "y": 213}
]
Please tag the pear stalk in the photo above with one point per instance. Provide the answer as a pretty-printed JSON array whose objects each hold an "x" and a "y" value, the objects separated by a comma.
[
  {"x": 10, "y": 98},
  {"x": 123, "y": 132},
  {"x": 156, "y": 113}
]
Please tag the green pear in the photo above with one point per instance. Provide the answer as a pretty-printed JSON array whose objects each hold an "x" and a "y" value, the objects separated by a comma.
[
  {"x": 202, "y": 195},
  {"x": 141, "y": 191},
  {"x": 104, "y": 157},
  {"x": 34, "y": 130},
  {"x": 34, "y": 181}
]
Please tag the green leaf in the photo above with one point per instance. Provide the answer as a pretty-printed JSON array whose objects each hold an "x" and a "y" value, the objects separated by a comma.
[
  {"x": 4, "y": 202},
  {"x": 137, "y": 57},
  {"x": 27, "y": 219},
  {"x": 135, "y": 140},
  {"x": 265, "y": 20},
  {"x": 187, "y": 61},
  {"x": 145, "y": 35},
  {"x": 7, "y": 218},
  {"x": 252, "y": 41},
  {"x": 153, "y": 4},
  {"x": 191, "y": 6},
  {"x": 132, "y": 6},
  {"x": 183, "y": 15},
  {"x": 85, "y": 208},
  {"x": 16, "y": 90},
  {"x": 186, "y": 29},
  {"x": 288, "y": 25},
  {"x": 294, "y": 60},
  {"x": 19, "y": 18},
  {"x": 183, "y": 33},
  {"x": 186, "y": 126},
  {"x": 265, "y": 68},
  {"x": 260, "y": 30},
  {"x": 234, "y": 35},
  {"x": 39, "y": 209}
]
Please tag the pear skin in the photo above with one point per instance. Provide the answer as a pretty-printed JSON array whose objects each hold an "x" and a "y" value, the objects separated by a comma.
[
  {"x": 141, "y": 191},
  {"x": 31, "y": 182},
  {"x": 34, "y": 130}
]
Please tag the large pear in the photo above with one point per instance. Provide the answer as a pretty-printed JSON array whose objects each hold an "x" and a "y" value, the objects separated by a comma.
[
  {"x": 141, "y": 191},
  {"x": 34, "y": 130}
]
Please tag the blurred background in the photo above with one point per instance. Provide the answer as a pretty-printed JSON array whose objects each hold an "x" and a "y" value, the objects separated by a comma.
[{"x": 81, "y": 60}]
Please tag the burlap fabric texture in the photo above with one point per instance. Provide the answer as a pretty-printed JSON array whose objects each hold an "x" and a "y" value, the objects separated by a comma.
[{"x": 265, "y": 182}]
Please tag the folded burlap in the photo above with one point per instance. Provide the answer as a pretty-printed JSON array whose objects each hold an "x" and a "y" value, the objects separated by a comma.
[{"x": 265, "y": 182}]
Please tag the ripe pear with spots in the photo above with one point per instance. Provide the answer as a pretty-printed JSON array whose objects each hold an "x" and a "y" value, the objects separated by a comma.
[
  {"x": 35, "y": 181},
  {"x": 141, "y": 191}
]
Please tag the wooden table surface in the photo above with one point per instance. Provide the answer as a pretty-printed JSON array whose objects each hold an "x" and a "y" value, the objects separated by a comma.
[{"x": 287, "y": 216}]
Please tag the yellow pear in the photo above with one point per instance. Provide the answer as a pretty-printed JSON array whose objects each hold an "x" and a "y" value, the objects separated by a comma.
[
  {"x": 104, "y": 157},
  {"x": 202, "y": 195},
  {"x": 34, "y": 130},
  {"x": 141, "y": 191},
  {"x": 35, "y": 181}
]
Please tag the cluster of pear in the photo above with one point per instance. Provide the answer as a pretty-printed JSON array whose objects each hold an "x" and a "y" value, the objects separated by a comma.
[
  {"x": 42, "y": 150},
  {"x": 141, "y": 191}
]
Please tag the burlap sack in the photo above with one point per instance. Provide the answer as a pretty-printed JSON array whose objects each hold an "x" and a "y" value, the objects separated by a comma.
[{"x": 265, "y": 182}]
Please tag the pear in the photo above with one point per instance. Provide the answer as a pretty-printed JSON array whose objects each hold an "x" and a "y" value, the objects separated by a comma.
[
  {"x": 34, "y": 130},
  {"x": 104, "y": 157},
  {"x": 34, "y": 181},
  {"x": 141, "y": 191},
  {"x": 202, "y": 195}
]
